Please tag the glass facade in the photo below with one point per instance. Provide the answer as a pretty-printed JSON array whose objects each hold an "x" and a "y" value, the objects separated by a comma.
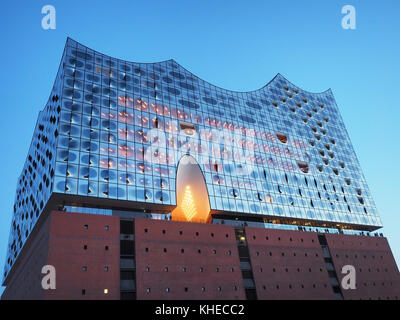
[{"x": 114, "y": 129}]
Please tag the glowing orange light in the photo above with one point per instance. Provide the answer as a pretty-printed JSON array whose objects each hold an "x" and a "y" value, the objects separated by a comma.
[{"x": 188, "y": 206}]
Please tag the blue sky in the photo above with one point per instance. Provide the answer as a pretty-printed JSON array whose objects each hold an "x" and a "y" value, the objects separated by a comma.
[{"x": 238, "y": 45}]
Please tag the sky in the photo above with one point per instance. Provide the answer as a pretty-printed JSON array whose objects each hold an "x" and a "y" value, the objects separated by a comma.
[{"x": 237, "y": 45}]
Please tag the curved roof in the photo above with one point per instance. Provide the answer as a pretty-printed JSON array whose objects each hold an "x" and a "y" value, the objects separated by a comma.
[{"x": 277, "y": 77}]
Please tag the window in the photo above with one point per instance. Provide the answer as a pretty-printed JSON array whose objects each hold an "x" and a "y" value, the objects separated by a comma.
[
  {"x": 85, "y": 227},
  {"x": 303, "y": 166},
  {"x": 107, "y": 228},
  {"x": 83, "y": 292},
  {"x": 105, "y": 291},
  {"x": 85, "y": 247},
  {"x": 188, "y": 128},
  {"x": 84, "y": 268},
  {"x": 282, "y": 137},
  {"x": 105, "y": 269}
]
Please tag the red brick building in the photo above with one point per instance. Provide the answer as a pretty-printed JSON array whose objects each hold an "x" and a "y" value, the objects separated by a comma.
[{"x": 111, "y": 257}]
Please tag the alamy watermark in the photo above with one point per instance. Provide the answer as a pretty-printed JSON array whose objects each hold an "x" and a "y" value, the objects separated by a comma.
[
  {"x": 49, "y": 280},
  {"x": 349, "y": 280},
  {"x": 49, "y": 20},
  {"x": 349, "y": 20}
]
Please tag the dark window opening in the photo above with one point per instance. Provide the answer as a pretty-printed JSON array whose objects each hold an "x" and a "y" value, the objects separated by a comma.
[
  {"x": 282, "y": 137},
  {"x": 303, "y": 166}
]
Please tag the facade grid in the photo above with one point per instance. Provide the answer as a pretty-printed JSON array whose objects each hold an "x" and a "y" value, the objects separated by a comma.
[{"x": 116, "y": 130}]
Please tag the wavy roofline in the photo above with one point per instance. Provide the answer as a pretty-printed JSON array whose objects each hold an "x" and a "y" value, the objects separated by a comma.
[{"x": 278, "y": 75}]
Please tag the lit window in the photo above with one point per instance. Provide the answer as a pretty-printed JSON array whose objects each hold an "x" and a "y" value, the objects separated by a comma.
[{"x": 105, "y": 291}]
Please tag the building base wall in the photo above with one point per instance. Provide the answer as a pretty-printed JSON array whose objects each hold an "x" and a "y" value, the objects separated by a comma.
[
  {"x": 75, "y": 245},
  {"x": 111, "y": 257},
  {"x": 377, "y": 275}
]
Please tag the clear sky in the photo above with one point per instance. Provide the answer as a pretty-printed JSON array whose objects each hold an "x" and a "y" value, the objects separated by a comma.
[{"x": 238, "y": 45}]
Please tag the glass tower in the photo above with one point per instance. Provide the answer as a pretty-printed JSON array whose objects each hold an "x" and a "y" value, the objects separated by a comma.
[{"x": 113, "y": 132}]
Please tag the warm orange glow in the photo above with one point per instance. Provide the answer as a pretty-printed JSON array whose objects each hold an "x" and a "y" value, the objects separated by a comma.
[
  {"x": 192, "y": 200},
  {"x": 188, "y": 206}
]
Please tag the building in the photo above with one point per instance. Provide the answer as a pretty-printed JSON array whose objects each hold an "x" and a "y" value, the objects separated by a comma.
[{"x": 143, "y": 181}]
